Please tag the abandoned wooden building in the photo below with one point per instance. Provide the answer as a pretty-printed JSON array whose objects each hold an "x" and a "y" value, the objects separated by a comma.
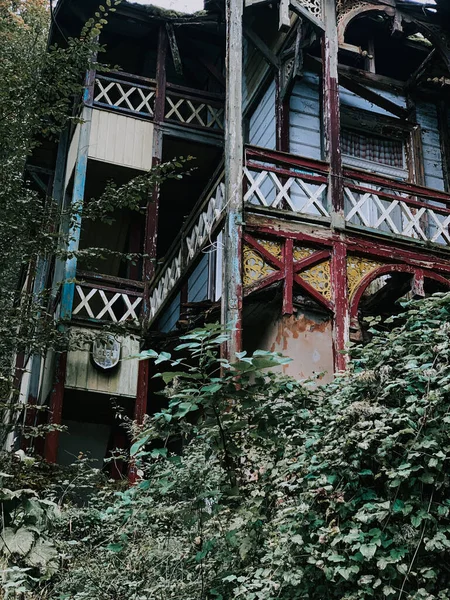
[{"x": 321, "y": 193}]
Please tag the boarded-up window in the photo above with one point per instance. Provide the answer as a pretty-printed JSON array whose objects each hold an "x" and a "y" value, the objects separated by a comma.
[{"x": 383, "y": 151}]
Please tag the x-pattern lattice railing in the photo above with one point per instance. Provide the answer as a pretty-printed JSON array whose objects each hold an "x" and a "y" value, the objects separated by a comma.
[
  {"x": 191, "y": 110},
  {"x": 397, "y": 208},
  {"x": 276, "y": 181},
  {"x": 197, "y": 234},
  {"x": 128, "y": 96},
  {"x": 105, "y": 303}
]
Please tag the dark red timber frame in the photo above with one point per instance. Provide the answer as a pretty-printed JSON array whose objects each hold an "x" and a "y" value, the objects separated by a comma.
[
  {"x": 335, "y": 247},
  {"x": 151, "y": 228}
]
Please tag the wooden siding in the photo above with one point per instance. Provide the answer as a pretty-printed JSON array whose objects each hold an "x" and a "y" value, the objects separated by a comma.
[
  {"x": 82, "y": 375},
  {"x": 198, "y": 281},
  {"x": 262, "y": 126},
  {"x": 170, "y": 316},
  {"x": 255, "y": 70},
  {"x": 432, "y": 159},
  {"x": 121, "y": 140},
  {"x": 305, "y": 118},
  {"x": 352, "y": 100}
]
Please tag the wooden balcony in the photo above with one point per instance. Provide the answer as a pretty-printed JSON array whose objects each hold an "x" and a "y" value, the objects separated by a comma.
[
  {"x": 289, "y": 184},
  {"x": 107, "y": 299},
  {"x": 134, "y": 95},
  {"x": 198, "y": 232}
]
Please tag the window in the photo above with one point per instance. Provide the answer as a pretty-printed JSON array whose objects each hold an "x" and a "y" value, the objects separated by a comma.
[{"x": 376, "y": 149}]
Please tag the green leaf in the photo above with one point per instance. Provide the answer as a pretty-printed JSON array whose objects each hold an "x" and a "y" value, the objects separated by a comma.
[
  {"x": 115, "y": 547},
  {"x": 138, "y": 444},
  {"x": 368, "y": 550},
  {"x": 16, "y": 542}
]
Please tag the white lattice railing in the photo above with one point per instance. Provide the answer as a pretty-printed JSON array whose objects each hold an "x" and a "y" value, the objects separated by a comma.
[
  {"x": 132, "y": 94},
  {"x": 396, "y": 208},
  {"x": 287, "y": 183},
  {"x": 191, "y": 108},
  {"x": 100, "y": 301},
  {"x": 197, "y": 234},
  {"x": 127, "y": 95}
]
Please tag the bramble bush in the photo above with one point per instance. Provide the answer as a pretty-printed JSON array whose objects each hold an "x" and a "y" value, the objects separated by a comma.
[{"x": 253, "y": 485}]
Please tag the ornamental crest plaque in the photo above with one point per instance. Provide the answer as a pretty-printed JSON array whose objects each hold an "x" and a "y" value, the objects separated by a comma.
[{"x": 105, "y": 352}]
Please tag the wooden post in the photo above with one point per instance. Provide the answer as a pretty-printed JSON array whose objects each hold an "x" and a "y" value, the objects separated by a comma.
[
  {"x": 331, "y": 114},
  {"x": 282, "y": 117},
  {"x": 232, "y": 235},
  {"x": 55, "y": 408},
  {"x": 332, "y": 126},
  {"x": 151, "y": 228},
  {"x": 341, "y": 324},
  {"x": 151, "y": 217},
  {"x": 79, "y": 185}
]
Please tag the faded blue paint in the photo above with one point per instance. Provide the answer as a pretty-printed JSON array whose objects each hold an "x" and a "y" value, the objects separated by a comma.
[
  {"x": 198, "y": 281},
  {"x": 305, "y": 121},
  {"x": 427, "y": 118},
  {"x": 352, "y": 100},
  {"x": 262, "y": 126},
  {"x": 168, "y": 320},
  {"x": 79, "y": 185}
]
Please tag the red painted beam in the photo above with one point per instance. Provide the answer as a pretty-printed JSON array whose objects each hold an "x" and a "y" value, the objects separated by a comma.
[
  {"x": 341, "y": 309},
  {"x": 288, "y": 308},
  {"x": 55, "y": 409}
]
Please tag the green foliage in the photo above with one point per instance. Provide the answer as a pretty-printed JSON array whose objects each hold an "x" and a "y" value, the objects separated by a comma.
[{"x": 253, "y": 485}]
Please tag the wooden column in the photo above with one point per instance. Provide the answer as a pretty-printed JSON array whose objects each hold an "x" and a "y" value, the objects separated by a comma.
[
  {"x": 341, "y": 322},
  {"x": 55, "y": 408},
  {"x": 232, "y": 235},
  {"x": 151, "y": 227},
  {"x": 282, "y": 117},
  {"x": 331, "y": 114},
  {"x": 332, "y": 126},
  {"x": 79, "y": 185}
]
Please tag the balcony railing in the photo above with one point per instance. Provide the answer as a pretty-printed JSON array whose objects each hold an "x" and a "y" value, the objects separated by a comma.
[
  {"x": 131, "y": 94},
  {"x": 285, "y": 182},
  {"x": 194, "y": 108},
  {"x": 126, "y": 93},
  {"x": 396, "y": 208},
  {"x": 281, "y": 181},
  {"x": 103, "y": 298},
  {"x": 198, "y": 232}
]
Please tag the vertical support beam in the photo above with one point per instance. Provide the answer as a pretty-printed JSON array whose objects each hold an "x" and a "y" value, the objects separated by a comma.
[
  {"x": 232, "y": 235},
  {"x": 445, "y": 140},
  {"x": 331, "y": 114},
  {"x": 55, "y": 408},
  {"x": 151, "y": 217},
  {"x": 341, "y": 321},
  {"x": 288, "y": 276},
  {"x": 282, "y": 116},
  {"x": 151, "y": 228},
  {"x": 79, "y": 185}
]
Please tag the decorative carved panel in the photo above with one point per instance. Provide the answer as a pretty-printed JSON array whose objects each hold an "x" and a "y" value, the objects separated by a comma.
[
  {"x": 254, "y": 266},
  {"x": 357, "y": 268},
  {"x": 299, "y": 253},
  {"x": 273, "y": 247},
  {"x": 319, "y": 278},
  {"x": 313, "y": 6}
]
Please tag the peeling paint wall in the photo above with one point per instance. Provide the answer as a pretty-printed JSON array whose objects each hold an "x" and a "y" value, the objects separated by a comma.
[{"x": 305, "y": 337}]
